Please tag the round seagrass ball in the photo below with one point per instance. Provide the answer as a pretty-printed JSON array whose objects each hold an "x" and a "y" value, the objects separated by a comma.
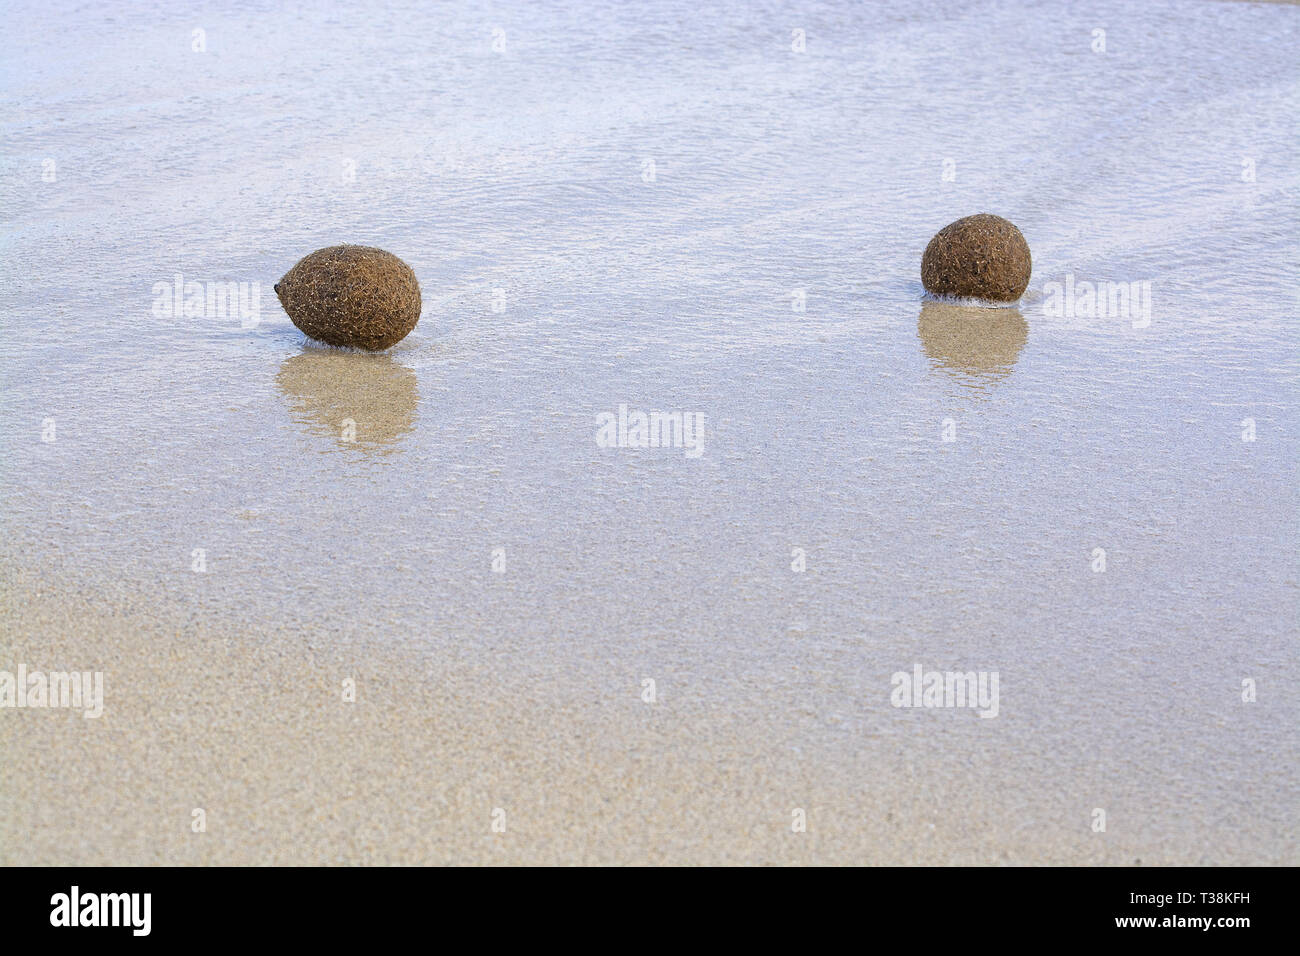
[
  {"x": 981, "y": 257},
  {"x": 355, "y": 296}
]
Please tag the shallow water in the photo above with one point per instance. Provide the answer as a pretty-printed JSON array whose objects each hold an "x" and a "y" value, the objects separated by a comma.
[{"x": 948, "y": 472}]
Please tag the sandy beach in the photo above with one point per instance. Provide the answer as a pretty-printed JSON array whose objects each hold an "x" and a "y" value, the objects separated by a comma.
[
  {"x": 431, "y": 607},
  {"x": 255, "y": 731}
]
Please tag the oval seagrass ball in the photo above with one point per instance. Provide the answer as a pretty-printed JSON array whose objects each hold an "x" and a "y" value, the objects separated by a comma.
[
  {"x": 981, "y": 257},
  {"x": 355, "y": 296}
]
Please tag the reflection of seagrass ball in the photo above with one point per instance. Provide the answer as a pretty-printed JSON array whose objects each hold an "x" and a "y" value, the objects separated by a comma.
[
  {"x": 328, "y": 391},
  {"x": 357, "y": 296},
  {"x": 981, "y": 257},
  {"x": 977, "y": 346}
]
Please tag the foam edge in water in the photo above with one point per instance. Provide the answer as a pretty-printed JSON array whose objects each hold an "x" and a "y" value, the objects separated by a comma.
[{"x": 970, "y": 302}]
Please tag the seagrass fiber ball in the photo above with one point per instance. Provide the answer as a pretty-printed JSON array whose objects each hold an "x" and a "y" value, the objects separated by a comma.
[
  {"x": 979, "y": 257},
  {"x": 355, "y": 296}
]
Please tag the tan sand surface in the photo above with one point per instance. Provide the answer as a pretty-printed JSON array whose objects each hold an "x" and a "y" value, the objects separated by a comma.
[{"x": 254, "y": 730}]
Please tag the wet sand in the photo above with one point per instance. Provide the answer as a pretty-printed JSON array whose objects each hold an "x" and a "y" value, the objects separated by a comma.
[
  {"x": 254, "y": 731},
  {"x": 229, "y": 522}
]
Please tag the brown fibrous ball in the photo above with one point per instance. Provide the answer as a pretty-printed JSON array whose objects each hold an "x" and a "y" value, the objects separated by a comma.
[
  {"x": 355, "y": 296},
  {"x": 980, "y": 257}
]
